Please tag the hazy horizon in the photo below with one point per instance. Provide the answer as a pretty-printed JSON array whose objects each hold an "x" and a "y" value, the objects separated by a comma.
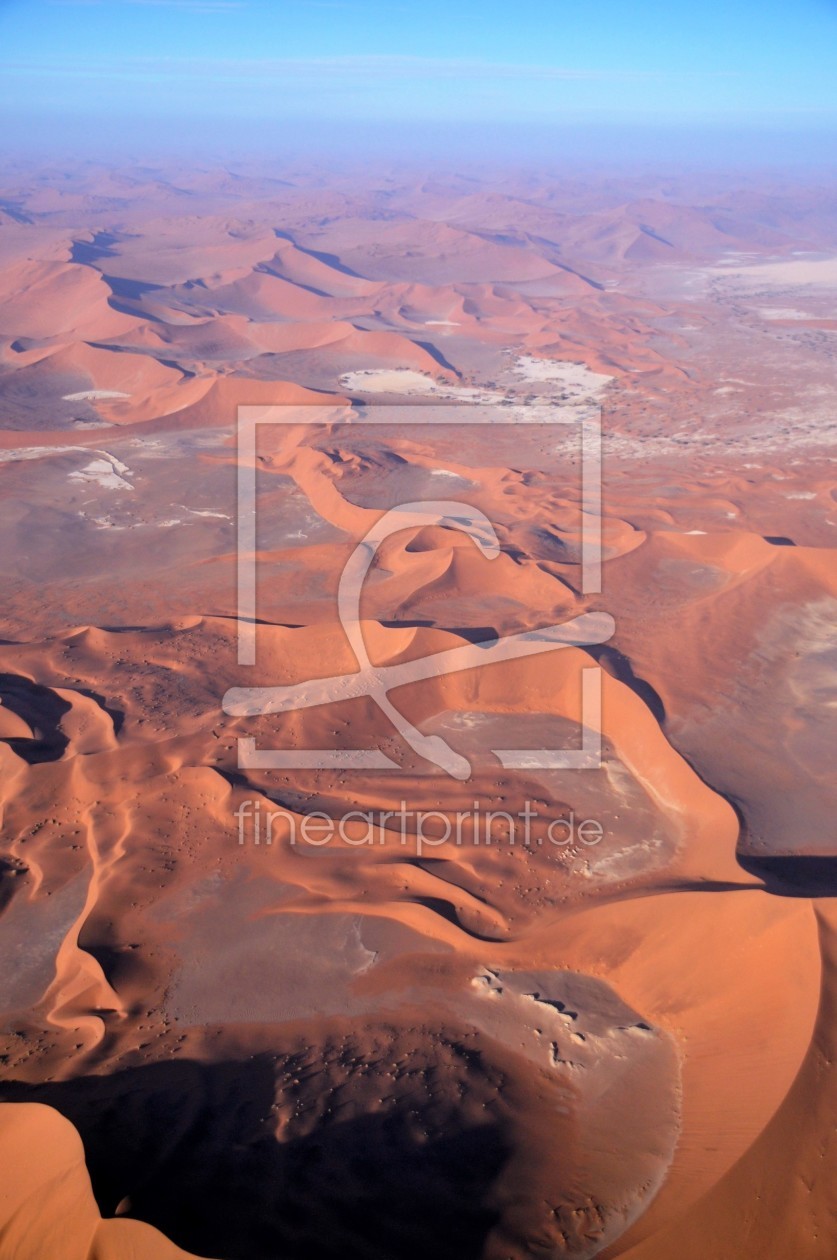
[{"x": 740, "y": 84}]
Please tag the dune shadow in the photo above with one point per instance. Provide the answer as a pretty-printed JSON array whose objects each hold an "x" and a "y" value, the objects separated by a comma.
[
  {"x": 330, "y": 260},
  {"x": 42, "y": 710},
  {"x": 472, "y": 634},
  {"x": 618, "y": 664},
  {"x": 116, "y": 716},
  {"x": 793, "y": 875},
  {"x": 193, "y": 1149},
  {"x": 93, "y": 251},
  {"x": 436, "y": 354},
  {"x": 14, "y": 209},
  {"x": 784, "y": 874}
]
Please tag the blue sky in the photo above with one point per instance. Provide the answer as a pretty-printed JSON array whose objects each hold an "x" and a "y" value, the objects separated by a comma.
[{"x": 207, "y": 63}]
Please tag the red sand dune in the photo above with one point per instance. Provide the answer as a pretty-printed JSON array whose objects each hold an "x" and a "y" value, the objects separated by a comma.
[{"x": 46, "y": 1202}]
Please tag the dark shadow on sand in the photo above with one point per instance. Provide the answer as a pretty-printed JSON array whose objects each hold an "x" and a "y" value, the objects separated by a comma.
[{"x": 192, "y": 1147}]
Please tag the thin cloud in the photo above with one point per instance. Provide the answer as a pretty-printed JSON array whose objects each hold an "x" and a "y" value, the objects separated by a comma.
[
  {"x": 193, "y": 6},
  {"x": 383, "y": 67},
  {"x": 197, "y": 6}
]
